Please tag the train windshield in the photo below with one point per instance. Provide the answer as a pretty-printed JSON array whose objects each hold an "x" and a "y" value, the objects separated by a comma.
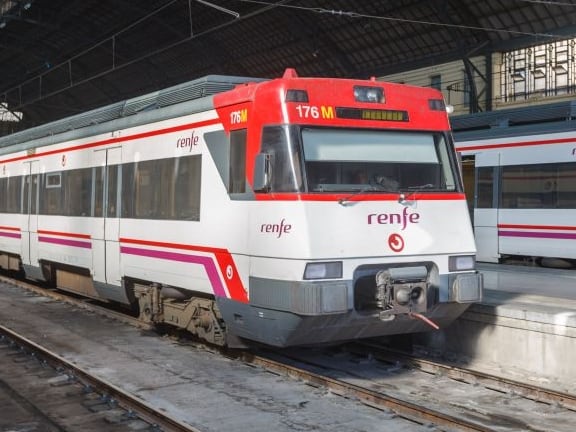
[
  {"x": 376, "y": 160},
  {"x": 350, "y": 160}
]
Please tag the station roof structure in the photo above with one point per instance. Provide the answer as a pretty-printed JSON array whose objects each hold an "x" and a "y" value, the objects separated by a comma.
[{"x": 62, "y": 57}]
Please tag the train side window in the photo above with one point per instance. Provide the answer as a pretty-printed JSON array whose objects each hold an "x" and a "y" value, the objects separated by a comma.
[
  {"x": 98, "y": 181},
  {"x": 13, "y": 186},
  {"x": 485, "y": 187},
  {"x": 34, "y": 180},
  {"x": 128, "y": 190},
  {"x": 25, "y": 194},
  {"x": 162, "y": 189},
  {"x": 52, "y": 197},
  {"x": 3, "y": 194},
  {"x": 539, "y": 186},
  {"x": 188, "y": 175},
  {"x": 112, "y": 196},
  {"x": 77, "y": 185},
  {"x": 237, "y": 161},
  {"x": 143, "y": 190},
  {"x": 566, "y": 186}
]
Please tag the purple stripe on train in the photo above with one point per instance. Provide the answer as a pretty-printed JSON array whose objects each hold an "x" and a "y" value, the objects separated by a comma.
[
  {"x": 207, "y": 262},
  {"x": 549, "y": 235},
  {"x": 11, "y": 235},
  {"x": 66, "y": 242}
]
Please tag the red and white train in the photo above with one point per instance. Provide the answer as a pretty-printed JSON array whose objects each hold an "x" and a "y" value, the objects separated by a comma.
[
  {"x": 520, "y": 170},
  {"x": 290, "y": 211}
]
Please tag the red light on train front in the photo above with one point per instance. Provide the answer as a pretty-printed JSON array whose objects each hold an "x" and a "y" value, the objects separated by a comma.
[{"x": 369, "y": 94}]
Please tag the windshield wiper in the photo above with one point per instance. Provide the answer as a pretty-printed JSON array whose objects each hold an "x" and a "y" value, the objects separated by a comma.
[
  {"x": 402, "y": 199},
  {"x": 346, "y": 199},
  {"x": 372, "y": 187}
]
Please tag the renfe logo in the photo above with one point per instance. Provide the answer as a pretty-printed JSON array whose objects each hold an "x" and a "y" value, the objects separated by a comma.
[
  {"x": 281, "y": 228},
  {"x": 189, "y": 141},
  {"x": 402, "y": 219}
]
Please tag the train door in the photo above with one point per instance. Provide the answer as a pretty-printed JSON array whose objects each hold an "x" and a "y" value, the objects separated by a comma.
[
  {"x": 106, "y": 244},
  {"x": 29, "y": 228},
  {"x": 486, "y": 206}
]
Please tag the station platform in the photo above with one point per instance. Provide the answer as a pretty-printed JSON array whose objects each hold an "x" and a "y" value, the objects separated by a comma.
[{"x": 525, "y": 327}]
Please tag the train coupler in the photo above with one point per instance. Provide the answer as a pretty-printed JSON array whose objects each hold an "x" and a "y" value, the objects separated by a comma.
[{"x": 401, "y": 290}]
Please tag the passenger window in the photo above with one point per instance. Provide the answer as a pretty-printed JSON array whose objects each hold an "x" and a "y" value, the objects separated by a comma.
[
  {"x": 187, "y": 189},
  {"x": 13, "y": 194},
  {"x": 52, "y": 196},
  {"x": 485, "y": 187},
  {"x": 77, "y": 186},
  {"x": 162, "y": 189},
  {"x": 98, "y": 191},
  {"x": 112, "y": 197},
  {"x": 539, "y": 186}
]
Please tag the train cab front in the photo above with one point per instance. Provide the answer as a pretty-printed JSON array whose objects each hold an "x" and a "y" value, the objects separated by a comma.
[
  {"x": 380, "y": 299},
  {"x": 360, "y": 226}
]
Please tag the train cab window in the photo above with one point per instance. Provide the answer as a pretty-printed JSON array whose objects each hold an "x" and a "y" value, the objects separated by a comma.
[
  {"x": 281, "y": 143},
  {"x": 342, "y": 160},
  {"x": 237, "y": 161}
]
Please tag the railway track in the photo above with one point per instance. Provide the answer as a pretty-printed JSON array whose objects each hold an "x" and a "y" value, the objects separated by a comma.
[
  {"x": 422, "y": 390},
  {"x": 473, "y": 377},
  {"x": 402, "y": 386},
  {"x": 411, "y": 411},
  {"x": 73, "y": 410}
]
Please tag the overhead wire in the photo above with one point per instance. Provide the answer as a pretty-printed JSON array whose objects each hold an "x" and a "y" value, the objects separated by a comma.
[
  {"x": 351, "y": 14},
  {"x": 550, "y": 2}
]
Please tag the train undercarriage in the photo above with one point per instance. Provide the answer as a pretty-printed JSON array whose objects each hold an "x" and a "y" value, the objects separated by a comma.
[
  {"x": 168, "y": 305},
  {"x": 152, "y": 302}
]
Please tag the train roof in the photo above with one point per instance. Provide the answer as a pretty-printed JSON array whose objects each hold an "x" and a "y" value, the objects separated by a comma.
[
  {"x": 197, "y": 91},
  {"x": 527, "y": 120},
  {"x": 179, "y": 100}
]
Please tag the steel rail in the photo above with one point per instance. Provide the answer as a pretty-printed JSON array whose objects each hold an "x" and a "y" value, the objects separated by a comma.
[
  {"x": 498, "y": 383},
  {"x": 408, "y": 410},
  {"x": 124, "y": 399}
]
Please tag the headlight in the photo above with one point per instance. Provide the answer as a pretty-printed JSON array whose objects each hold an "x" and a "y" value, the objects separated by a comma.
[
  {"x": 369, "y": 94},
  {"x": 323, "y": 270},
  {"x": 460, "y": 263}
]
